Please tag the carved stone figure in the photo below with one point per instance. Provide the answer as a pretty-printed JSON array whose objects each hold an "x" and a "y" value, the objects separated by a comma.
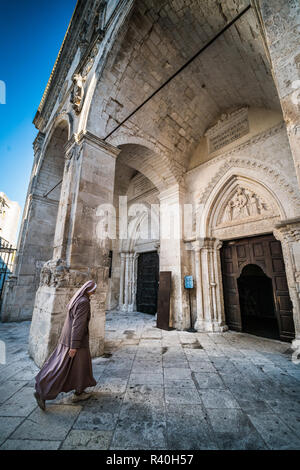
[
  {"x": 77, "y": 94},
  {"x": 244, "y": 203}
]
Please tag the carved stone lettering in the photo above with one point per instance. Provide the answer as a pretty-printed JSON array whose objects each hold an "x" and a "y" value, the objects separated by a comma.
[{"x": 229, "y": 128}]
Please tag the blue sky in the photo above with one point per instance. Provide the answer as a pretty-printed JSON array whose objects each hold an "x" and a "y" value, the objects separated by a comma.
[{"x": 31, "y": 34}]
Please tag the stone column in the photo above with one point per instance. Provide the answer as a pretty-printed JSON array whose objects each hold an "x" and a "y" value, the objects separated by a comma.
[
  {"x": 288, "y": 233},
  {"x": 134, "y": 278},
  {"x": 220, "y": 309},
  {"x": 122, "y": 274},
  {"x": 130, "y": 282},
  {"x": 198, "y": 284},
  {"x": 210, "y": 305},
  {"x": 19, "y": 295},
  {"x": 173, "y": 254},
  {"x": 280, "y": 21},
  {"x": 81, "y": 248},
  {"x": 125, "y": 306}
]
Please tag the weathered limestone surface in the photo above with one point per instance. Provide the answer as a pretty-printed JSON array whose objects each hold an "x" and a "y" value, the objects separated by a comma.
[
  {"x": 281, "y": 24},
  {"x": 223, "y": 136},
  {"x": 78, "y": 239},
  {"x": 201, "y": 391}
]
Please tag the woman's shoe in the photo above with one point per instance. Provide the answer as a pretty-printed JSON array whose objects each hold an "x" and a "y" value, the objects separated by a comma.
[
  {"x": 40, "y": 401},
  {"x": 80, "y": 396}
]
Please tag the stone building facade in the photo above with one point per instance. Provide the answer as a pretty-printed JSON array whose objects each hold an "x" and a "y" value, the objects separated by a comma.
[
  {"x": 9, "y": 219},
  {"x": 219, "y": 143}
]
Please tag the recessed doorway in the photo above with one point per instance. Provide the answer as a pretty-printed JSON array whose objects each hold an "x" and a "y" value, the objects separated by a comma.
[
  {"x": 256, "y": 295},
  {"x": 147, "y": 282},
  {"x": 257, "y": 303}
]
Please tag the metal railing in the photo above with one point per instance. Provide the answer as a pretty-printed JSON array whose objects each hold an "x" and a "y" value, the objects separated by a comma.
[{"x": 7, "y": 256}]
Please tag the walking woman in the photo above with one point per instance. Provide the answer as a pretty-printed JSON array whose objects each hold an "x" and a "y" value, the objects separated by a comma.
[{"x": 70, "y": 367}]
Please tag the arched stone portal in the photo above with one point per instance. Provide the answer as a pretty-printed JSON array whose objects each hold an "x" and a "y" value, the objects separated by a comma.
[
  {"x": 239, "y": 205},
  {"x": 214, "y": 137},
  {"x": 151, "y": 184}
]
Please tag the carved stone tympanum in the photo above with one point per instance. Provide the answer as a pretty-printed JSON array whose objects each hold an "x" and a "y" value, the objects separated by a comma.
[{"x": 244, "y": 203}]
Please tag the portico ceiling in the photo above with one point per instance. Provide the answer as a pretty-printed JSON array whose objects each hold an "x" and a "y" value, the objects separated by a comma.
[{"x": 155, "y": 41}]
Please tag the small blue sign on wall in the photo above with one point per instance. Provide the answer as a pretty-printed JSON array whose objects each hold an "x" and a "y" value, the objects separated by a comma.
[{"x": 188, "y": 282}]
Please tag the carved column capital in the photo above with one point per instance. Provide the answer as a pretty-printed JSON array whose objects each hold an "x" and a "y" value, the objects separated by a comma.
[
  {"x": 86, "y": 137},
  {"x": 288, "y": 230},
  {"x": 218, "y": 244},
  {"x": 197, "y": 245}
]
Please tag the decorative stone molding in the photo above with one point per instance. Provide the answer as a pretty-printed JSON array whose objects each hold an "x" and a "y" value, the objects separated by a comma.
[
  {"x": 97, "y": 142},
  {"x": 73, "y": 153},
  {"x": 38, "y": 145},
  {"x": 132, "y": 134},
  {"x": 209, "y": 300},
  {"x": 88, "y": 22},
  {"x": 257, "y": 165},
  {"x": 81, "y": 74},
  {"x": 288, "y": 232},
  {"x": 254, "y": 140},
  {"x": 56, "y": 273}
]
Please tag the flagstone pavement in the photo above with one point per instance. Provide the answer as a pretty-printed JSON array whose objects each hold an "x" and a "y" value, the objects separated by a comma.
[{"x": 159, "y": 390}]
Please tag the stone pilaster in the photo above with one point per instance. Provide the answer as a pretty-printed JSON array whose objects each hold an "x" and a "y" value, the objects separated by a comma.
[
  {"x": 209, "y": 290},
  {"x": 122, "y": 276},
  {"x": 173, "y": 254},
  {"x": 127, "y": 300},
  {"x": 197, "y": 246},
  {"x": 81, "y": 249},
  {"x": 280, "y": 21},
  {"x": 288, "y": 233}
]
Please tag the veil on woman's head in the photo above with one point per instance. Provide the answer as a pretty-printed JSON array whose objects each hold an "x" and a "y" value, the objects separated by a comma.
[{"x": 88, "y": 286}]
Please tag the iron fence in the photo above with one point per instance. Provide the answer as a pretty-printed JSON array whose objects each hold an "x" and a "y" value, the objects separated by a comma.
[{"x": 7, "y": 256}]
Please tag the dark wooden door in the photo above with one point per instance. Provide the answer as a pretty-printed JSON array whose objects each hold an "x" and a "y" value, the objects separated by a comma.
[
  {"x": 264, "y": 251},
  {"x": 147, "y": 282},
  {"x": 163, "y": 303}
]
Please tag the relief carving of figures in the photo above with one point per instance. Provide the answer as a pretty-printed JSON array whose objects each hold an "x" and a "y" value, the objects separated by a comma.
[{"x": 244, "y": 203}]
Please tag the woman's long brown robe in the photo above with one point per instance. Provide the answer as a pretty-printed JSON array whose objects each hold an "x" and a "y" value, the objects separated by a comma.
[{"x": 61, "y": 373}]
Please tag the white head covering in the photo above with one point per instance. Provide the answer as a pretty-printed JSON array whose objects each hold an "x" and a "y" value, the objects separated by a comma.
[
  {"x": 88, "y": 286},
  {"x": 92, "y": 290}
]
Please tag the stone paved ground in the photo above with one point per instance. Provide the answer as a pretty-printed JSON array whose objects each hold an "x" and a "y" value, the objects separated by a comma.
[{"x": 159, "y": 390}]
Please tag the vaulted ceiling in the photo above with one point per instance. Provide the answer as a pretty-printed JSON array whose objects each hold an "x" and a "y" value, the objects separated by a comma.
[{"x": 155, "y": 41}]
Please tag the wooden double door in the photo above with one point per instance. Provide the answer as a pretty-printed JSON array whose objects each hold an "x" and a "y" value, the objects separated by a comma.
[
  {"x": 256, "y": 295},
  {"x": 147, "y": 282}
]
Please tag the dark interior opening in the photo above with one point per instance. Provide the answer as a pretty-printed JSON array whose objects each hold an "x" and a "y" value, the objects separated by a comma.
[
  {"x": 257, "y": 303},
  {"x": 147, "y": 282}
]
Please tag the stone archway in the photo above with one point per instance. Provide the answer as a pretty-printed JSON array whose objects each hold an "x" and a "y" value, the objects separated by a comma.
[
  {"x": 36, "y": 244},
  {"x": 256, "y": 306},
  {"x": 237, "y": 204},
  {"x": 143, "y": 225}
]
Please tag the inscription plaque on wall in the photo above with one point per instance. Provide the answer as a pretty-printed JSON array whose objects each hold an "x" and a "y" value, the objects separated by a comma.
[
  {"x": 163, "y": 301},
  {"x": 229, "y": 128}
]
